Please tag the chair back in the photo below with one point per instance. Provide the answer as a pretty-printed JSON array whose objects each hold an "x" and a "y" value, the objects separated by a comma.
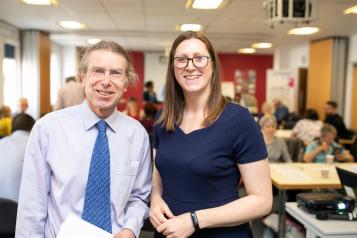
[{"x": 8, "y": 211}]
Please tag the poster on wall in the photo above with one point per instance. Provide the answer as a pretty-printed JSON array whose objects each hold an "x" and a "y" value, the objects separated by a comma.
[
  {"x": 245, "y": 81},
  {"x": 245, "y": 86},
  {"x": 283, "y": 85}
]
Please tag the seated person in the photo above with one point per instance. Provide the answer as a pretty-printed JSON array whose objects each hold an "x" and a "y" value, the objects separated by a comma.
[
  {"x": 276, "y": 147},
  {"x": 326, "y": 145},
  {"x": 333, "y": 118},
  {"x": 308, "y": 128},
  {"x": 281, "y": 111},
  {"x": 5, "y": 121}
]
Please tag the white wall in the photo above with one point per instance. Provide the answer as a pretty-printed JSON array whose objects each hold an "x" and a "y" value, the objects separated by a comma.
[
  {"x": 155, "y": 66},
  {"x": 292, "y": 57},
  {"x": 69, "y": 62},
  {"x": 352, "y": 59},
  {"x": 8, "y": 34}
]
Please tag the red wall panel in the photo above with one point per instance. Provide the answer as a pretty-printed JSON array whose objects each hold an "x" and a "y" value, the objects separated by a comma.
[{"x": 259, "y": 63}]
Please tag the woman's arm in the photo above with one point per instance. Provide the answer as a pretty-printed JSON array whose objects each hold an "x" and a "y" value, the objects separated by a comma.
[
  {"x": 257, "y": 203},
  {"x": 285, "y": 152},
  {"x": 159, "y": 211}
]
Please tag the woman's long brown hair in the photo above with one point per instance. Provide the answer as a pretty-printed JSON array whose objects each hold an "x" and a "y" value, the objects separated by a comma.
[{"x": 174, "y": 99}]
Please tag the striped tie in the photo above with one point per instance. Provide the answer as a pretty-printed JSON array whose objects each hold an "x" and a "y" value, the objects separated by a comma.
[{"x": 97, "y": 199}]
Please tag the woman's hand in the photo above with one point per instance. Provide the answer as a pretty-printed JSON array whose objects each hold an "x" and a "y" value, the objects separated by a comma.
[
  {"x": 177, "y": 227},
  {"x": 159, "y": 211}
]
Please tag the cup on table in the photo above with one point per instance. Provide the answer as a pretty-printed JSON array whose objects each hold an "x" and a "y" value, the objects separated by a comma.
[
  {"x": 330, "y": 159},
  {"x": 325, "y": 172}
]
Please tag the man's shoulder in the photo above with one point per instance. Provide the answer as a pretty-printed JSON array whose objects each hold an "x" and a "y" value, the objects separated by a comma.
[{"x": 68, "y": 113}]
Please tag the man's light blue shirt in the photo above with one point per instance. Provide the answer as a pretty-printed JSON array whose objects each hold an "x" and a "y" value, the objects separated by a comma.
[{"x": 56, "y": 170}]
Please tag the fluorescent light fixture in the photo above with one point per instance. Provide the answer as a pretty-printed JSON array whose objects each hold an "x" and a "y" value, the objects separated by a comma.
[
  {"x": 72, "y": 25},
  {"x": 303, "y": 31},
  {"x": 351, "y": 10},
  {"x": 41, "y": 2},
  {"x": 93, "y": 41},
  {"x": 246, "y": 51},
  {"x": 262, "y": 45},
  {"x": 206, "y": 4},
  {"x": 190, "y": 27}
]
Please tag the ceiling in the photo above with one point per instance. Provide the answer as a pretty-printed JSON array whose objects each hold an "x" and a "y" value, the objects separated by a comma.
[{"x": 150, "y": 25}]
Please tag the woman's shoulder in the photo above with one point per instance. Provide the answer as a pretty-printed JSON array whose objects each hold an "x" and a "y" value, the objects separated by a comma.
[{"x": 234, "y": 109}]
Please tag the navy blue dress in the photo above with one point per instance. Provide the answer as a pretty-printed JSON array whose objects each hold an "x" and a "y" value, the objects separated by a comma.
[{"x": 199, "y": 169}]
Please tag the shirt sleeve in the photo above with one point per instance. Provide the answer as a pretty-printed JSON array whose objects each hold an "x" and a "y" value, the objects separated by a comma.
[
  {"x": 248, "y": 142},
  {"x": 136, "y": 210},
  {"x": 34, "y": 190}
]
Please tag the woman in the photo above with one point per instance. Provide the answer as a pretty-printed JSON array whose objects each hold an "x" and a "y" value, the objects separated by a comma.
[
  {"x": 277, "y": 149},
  {"x": 203, "y": 146}
]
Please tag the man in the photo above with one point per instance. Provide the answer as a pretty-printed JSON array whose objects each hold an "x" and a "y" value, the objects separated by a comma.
[
  {"x": 71, "y": 94},
  {"x": 281, "y": 111},
  {"x": 318, "y": 150},
  {"x": 333, "y": 118},
  {"x": 89, "y": 160},
  {"x": 12, "y": 149}
]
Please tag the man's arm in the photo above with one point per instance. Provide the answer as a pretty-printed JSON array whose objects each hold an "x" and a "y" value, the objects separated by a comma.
[
  {"x": 34, "y": 190},
  {"x": 136, "y": 210}
]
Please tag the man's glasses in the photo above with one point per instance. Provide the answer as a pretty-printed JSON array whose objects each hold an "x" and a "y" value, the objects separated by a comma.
[
  {"x": 99, "y": 73},
  {"x": 197, "y": 61}
]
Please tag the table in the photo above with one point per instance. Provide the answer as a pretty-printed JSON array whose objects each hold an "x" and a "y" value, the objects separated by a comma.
[
  {"x": 322, "y": 228},
  {"x": 292, "y": 176}
]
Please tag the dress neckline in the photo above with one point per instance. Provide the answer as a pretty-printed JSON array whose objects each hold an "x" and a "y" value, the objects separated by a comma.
[{"x": 199, "y": 130}]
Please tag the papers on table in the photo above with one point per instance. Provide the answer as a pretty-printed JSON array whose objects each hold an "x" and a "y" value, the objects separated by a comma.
[{"x": 75, "y": 227}]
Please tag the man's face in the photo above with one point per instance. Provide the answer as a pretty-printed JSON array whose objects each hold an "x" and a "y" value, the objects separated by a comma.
[
  {"x": 105, "y": 81},
  {"x": 329, "y": 109}
]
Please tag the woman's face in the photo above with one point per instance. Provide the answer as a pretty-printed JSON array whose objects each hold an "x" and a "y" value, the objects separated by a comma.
[
  {"x": 269, "y": 128},
  {"x": 193, "y": 79}
]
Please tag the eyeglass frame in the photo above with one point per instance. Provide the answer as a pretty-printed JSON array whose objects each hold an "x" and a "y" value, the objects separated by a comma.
[
  {"x": 191, "y": 59},
  {"x": 114, "y": 74}
]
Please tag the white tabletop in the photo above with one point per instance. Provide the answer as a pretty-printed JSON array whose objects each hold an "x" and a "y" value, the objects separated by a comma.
[{"x": 324, "y": 227}]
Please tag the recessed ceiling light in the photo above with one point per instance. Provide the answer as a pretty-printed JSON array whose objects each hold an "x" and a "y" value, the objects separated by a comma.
[
  {"x": 303, "y": 31},
  {"x": 246, "y": 50},
  {"x": 190, "y": 27},
  {"x": 93, "y": 41},
  {"x": 72, "y": 25},
  {"x": 206, "y": 4},
  {"x": 351, "y": 10},
  {"x": 262, "y": 45},
  {"x": 41, "y": 2}
]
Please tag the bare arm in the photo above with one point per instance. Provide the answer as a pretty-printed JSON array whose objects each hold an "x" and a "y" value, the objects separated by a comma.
[
  {"x": 310, "y": 156},
  {"x": 257, "y": 203}
]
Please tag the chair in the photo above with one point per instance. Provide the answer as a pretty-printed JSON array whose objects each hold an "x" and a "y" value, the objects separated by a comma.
[
  {"x": 8, "y": 211},
  {"x": 349, "y": 181}
]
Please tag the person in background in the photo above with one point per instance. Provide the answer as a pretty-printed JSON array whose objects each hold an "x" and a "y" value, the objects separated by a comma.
[
  {"x": 334, "y": 119},
  {"x": 326, "y": 145},
  {"x": 308, "y": 128},
  {"x": 203, "y": 146},
  {"x": 5, "y": 121},
  {"x": 281, "y": 111},
  {"x": 148, "y": 120},
  {"x": 149, "y": 93},
  {"x": 277, "y": 148},
  {"x": 88, "y": 160},
  {"x": 13, "y": 149},
  {"x": 132, "y": 109},
  {"x": 22, "y": 106},
  {"x": 72, "y": 93}
]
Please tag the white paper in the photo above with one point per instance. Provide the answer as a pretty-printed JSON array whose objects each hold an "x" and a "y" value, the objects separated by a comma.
[{"x": 75, "y": 227}]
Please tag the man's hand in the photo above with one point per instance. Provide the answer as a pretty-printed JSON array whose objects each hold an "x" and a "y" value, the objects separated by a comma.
[{"x": 125, "y": 233}]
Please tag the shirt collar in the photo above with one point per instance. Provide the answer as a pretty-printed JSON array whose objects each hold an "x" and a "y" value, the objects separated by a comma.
[{"x": 90, "y": 118}]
